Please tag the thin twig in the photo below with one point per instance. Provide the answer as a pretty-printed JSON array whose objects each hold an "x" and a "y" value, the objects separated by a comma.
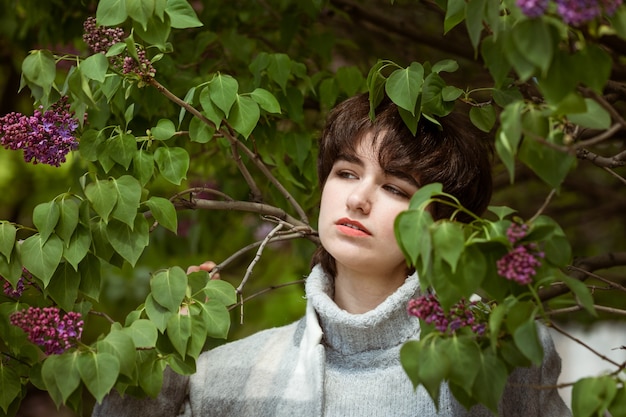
[
  {"x": 580, "y": 342},
  {"x": 102, "y": 314},
  {"x": 263, "y": 291},
  {"x": 543, "y": 206}
]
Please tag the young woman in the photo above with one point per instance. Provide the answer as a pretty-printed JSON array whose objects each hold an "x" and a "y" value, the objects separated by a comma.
[{"x": 342, "y": 357}]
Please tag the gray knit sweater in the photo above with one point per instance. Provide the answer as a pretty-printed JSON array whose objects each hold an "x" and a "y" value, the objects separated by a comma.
[{"x": 329, "y": 363}]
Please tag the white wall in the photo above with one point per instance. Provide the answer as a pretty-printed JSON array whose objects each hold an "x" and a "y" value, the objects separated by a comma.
[{"x": 608, "y": 339}]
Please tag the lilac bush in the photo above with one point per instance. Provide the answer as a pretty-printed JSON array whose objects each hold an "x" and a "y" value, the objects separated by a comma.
[{"x": 462, "y": 314}]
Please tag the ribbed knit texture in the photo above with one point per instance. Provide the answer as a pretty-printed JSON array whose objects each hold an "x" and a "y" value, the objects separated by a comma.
[{"x": 329, "y": 363}]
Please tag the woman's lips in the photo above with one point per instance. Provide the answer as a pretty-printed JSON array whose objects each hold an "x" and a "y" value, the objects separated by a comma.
[{"x": 352, "y": 228}]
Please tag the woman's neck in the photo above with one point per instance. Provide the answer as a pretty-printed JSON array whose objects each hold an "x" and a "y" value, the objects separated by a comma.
[{"x": 357, "y": 292}]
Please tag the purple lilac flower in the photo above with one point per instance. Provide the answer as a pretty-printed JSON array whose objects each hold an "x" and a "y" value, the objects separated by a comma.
[
  {"x": 521, "y": 263},
  {"x": 533, "y": 8},
  {"x": 101, "y": 38},
  {"x": 16, "y": 292},
  {"x": 47, "y": 328},
  {"x": 45, "y": 137},
  {"x": 428, "y": 309},
  {"x": 577, "y": 12}
]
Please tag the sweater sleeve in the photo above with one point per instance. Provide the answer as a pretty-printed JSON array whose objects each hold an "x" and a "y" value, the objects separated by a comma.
[
  {"x": 527, "y": 392},
  {"x": 171, "y": 401}
]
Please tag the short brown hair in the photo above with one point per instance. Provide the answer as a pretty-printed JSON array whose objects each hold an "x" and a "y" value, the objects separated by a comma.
[{"x": 454, "y": 154}]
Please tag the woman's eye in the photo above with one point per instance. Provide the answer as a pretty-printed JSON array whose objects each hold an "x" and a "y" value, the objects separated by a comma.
[
  {"x": 396, "y": 191},
  {"x": 346, "y": 174}
]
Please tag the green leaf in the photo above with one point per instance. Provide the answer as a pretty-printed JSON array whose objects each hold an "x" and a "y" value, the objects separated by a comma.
[
  {"x": 40, "y": 68},
  {"x": 111, "y": 12},
  {"x": 157, "y": 32},
  {"x": 128, "y": 192},
  {"x": 7, "y": 238},
  {"x": 168, "y": 287},
  {"x": 144, "y": 333},
  {"x": 151, "y": 376},
  {"x": 464, "y": 355},
  {"x": 448, "y": 242},
  {"x": 63, "y": 286},
  {"x": 91, "y": 274},
  {"x": 164, "y": 212},
  {"x": 212, "y": 112},
  {"x": 483, "y": 117},
  {"x": 164, "y": 129},
  {"x": 199, "y": 131},
  {"x": 595, "y": 67},
  {"x": 581, "y": 292},
  {"x": 527, "y": 341},
  {"x": 182, "y": 15},
  {"x": 103, "y": 196},
  {"x": 140, "y": 11},
  {"x": 433, "y": 100},
  {"x": 179, "y": 332},
  {"x": 68, "y": 218},
  {"x": 445, "y": 65},
  {"x": 409, "y": 358},
  {"x": 95, "y": 67},
  {"x": 157, "y": 314},
  {"x": 492, "y": 51},
  {"x": 596, "y": 116},
  {"x": 173, "y": 163},
  {"x": 143, "y": 166},
  {"x": 404, "y": 86},
  {"x": 474, "y": 12},
  {"x": 533, "y": 39},
  {"x": 350, "y": 80},
  {"x": 591, "y": 396},
  {"x": 41, "y": 257},
  {"x": 265, "y": 100},
  {"x": 492, "y": 373},
  {"x": 77, "y": 246},
  {"x": 223, "y": 92},
  {"x": 279, "y": 69},
  {"x": 61, "y": 372},
  {"x": 618, "y": 405},
  {"x": 216, "y": 317},
  {"x": 120, "y": 344},
  {"x": 411, "y": 229},
  {"x": 561, "y": 78},
  {"x": 10, "y": 386},
  {"x": 45, "y": 218},
  {"x": 509, "y": 136},
  {"x": 551, "y": 165},
  {"x": 99, "y": 372},
  {"x": 455, "y": 13},
  {"x": 244, "y": 115},
  {"x": 129, "y": 242},
  {"x": 433, "y": 368},
  {"x": 11, "y": 270},
  {"x": 221, "y": 291},
  {"x": 122, "y": 148}
]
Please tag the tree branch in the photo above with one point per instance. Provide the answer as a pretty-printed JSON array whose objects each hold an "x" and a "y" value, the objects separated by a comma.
[{"x": 581, "y": 270}]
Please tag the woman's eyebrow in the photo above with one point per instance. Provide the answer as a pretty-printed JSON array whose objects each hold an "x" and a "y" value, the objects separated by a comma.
[
  {"x": 349, "y": 157},
  {"x": 403, "y": 176}
]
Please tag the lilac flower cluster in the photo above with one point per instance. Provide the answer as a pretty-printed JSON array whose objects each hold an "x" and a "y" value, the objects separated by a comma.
[
  {"x": 101, "y": 38},
  {"x": 521, "y": 263},
  {"x": 17, "y": 292},
  {"x": 46, "y": 328},
  {"x": 573, "y": 12},
  {"x": 533, "y": 8},
  {"x": 45, "y": 137},
  {"x": 428, "y": 309}
]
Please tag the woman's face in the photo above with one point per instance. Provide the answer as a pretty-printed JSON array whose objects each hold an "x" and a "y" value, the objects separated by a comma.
[{"x": 360, "y": 202}]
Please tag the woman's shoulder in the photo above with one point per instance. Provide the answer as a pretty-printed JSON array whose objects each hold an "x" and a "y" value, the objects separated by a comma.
[{"x": 249, "y": 348}]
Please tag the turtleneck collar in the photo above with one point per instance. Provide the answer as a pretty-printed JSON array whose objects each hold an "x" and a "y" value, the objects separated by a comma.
[{"x": 386, "y": 326}]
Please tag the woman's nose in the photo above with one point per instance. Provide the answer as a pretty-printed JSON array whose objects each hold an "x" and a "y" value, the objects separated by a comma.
[{"x": 360, "y": 199}]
